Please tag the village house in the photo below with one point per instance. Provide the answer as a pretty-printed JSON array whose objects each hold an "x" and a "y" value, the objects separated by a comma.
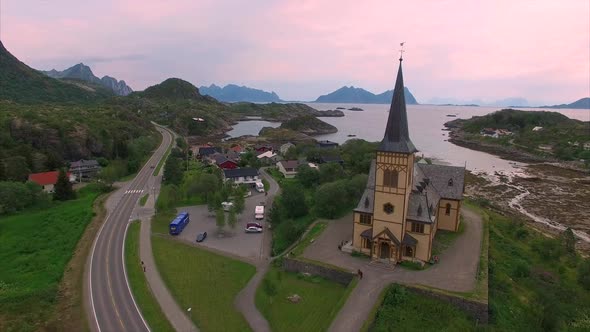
[
  {"x": 494, "y": 133},
  {"x": 327, "y": 144},
  {"x": 246, "y": 175},
  {"x": 84, "y": 169},
  {"x": 405, "y": 203},
  {"x": 223, "y": 162},
  {"x": 288, "y": 168},
  {"x": 268, "y": 157},
  {"x": 206, "y": 151},
  {"x": 236, "y": 149},
  {"x": 47, "y": 180},
  {"x": 285, "y": 147},
  {"x": 261, "y": 148}
]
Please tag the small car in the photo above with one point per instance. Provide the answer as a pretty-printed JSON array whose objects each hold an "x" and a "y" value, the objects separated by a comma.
[
  {"x": 253, "y": 229},
  {"x": 153, "y": 166},
  {"x": 253, "y": 224},
  {"x": 201, "y": 237}
]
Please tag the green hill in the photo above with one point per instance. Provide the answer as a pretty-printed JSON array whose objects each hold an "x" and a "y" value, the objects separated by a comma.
[
  {"x": 172, "y": 88},
  {"x": 309, "y": 125},
  {"x": 22, "y": 84}
]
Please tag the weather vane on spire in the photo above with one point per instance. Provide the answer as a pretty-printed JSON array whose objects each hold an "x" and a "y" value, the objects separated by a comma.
[{"x": 401, "y": 51}]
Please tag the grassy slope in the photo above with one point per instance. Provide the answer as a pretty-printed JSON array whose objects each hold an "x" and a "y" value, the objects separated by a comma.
[
  {"x": 141, "y": 292},
  {"x": 143, "y": 199},
  {"x": 320, "y": 302},
  {"x": 34, "y": 250},
  {"x": 411, "y": 312},
  {"x": 206, "y": 282}
]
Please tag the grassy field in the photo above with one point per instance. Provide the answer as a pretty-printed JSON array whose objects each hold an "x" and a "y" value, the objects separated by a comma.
[
  {"x": 313, "y": 234},
  {"x": 206, "y": 282},
  {"x": 402, "y": 310},
  {"x": 35, "y": 248},
  {"x": 143, "y": 199},
  {"x": 533, "y": 280},
  {"x": 150, "y": 309},
  {"x": 320, "y": 301}
]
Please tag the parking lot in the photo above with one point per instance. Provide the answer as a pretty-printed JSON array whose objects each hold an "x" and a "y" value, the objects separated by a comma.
[{"x": 236, "y": 241}]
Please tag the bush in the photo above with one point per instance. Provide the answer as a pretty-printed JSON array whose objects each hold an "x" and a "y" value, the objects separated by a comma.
[
  {"x": 521, "y": 269},
  {"x": 584, "y": 274}
]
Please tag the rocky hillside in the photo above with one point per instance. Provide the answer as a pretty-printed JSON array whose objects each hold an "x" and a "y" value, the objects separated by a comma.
[
  {"x": 22, "y": 84},
  {"x": 582, "y": 104},
  {"x": 232, "y": 93},
  {"x": 309, "y": 125},
  {"x": 277, "y": 112},
  {"x": 83, "y": 73}
]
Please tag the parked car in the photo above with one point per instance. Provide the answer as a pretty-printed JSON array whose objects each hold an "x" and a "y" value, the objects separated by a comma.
[
  {"x": 201, "y": 237},
  {"x": 253, "y": 224},
  {"x": 253, "y": 229}
]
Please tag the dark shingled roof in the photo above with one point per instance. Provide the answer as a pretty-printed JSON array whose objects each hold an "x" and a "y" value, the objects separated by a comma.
[
  {"x": 389, "y": 234},
  {"x": 440, "y": 175},
  {"x": 208, "y": 150},
  {"x": 239, "y": 172},
  {"x": 397, "y": 136},
  {"x": 369, "y": 193},
  {"x": 409, "y": 240},
  {"x": 289, "y": 163},
  {"x": 419, "y": 203},
  {"x": 367, "y": 233}
]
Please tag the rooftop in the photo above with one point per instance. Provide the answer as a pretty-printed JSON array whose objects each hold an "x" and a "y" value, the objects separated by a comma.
[{"x": 240, "y": 172}]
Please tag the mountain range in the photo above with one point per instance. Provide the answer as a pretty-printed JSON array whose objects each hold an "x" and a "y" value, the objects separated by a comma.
[
  {"x": 82, "y": 72},
  {"x": 232, "y": 93},
  {"x": 583, "y": 104},
  {"x": 361, "y": 96}
]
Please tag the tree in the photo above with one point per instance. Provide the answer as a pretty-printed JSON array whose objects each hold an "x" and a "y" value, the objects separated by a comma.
[
  {"x": 569, "y": 241},
  {"x": 330, "y": 172},
  {"x": 291, "y": 153},
  {"x": 232, "y": 219},
  {"x": 16, "y": 168},
  {"x": 308, "y": 176},
  {"x": 270, "y": 289},
  {"x": 274, "y": 215},
  {"x": 63, "y": 187},
  {"x": 293, "y": 201},
  {"x": 173, "y": 171},
  {"x": 331, "y": 198},
  {"x": 220, "y": 219},
  {"x": 584, "y": 274},
  {"x": 239, "y": 199}
]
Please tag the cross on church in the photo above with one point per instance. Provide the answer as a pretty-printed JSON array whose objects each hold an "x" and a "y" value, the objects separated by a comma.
[{"x": 401, "y": 51}]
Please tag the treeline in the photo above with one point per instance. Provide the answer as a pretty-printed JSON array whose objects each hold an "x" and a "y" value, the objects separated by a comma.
[{"x": 328, "y": 192}]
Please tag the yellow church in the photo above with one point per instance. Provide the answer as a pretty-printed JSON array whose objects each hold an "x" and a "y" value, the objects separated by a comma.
[{"x": 405, "y": 202}]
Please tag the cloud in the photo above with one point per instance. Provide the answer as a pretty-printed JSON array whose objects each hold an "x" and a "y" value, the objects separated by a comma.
[{"x": 462, "y": 49}]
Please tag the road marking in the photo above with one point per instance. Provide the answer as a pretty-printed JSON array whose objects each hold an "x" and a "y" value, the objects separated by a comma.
[{"x": 96, "y": 241}]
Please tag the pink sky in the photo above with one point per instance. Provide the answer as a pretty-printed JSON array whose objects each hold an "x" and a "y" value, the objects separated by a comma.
[{"x": 465, "y": 50}]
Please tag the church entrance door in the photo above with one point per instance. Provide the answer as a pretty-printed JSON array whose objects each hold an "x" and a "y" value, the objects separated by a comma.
[{"x": 384, "y": 252}]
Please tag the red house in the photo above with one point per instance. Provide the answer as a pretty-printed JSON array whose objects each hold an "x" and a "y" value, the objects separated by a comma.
[
  {"x": 47, "y": 180},
  {"x": 262, "y": 148},
  {"x": 222, "y": 162},
  {"x": 237, "y": 149}
]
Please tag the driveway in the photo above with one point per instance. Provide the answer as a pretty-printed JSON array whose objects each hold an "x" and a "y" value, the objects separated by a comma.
[{"x": 235, "y": 241}]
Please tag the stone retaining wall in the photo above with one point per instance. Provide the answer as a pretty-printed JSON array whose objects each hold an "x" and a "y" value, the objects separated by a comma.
[
  {"x": 477, "y": 310},
  {"x": 297, "y": 266}
]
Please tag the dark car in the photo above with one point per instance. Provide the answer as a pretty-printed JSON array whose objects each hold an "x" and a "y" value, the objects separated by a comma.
[{"x": 201, "y": 237}]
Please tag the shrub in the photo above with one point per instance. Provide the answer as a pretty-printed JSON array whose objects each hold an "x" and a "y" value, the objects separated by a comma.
[{"x": 584, "y": 274}]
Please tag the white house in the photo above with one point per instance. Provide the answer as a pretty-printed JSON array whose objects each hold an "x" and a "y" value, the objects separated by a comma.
[
  {"x": 47, "y": 180},
  {"x": 245, "y": 175},
  {"x": 268, "y": 157},
  {"x": 288, "y": 167}
]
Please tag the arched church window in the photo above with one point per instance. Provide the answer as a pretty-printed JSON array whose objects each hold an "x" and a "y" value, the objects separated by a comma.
[
  {"x": 390, "y": 178},
  {"x": 448, "y": 209}
]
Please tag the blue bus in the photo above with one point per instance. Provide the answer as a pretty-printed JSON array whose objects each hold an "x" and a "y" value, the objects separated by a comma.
[{"x": 178, "y": 224}]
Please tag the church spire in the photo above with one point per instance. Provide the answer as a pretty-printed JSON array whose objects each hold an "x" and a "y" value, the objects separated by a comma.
[{"x": 397, "y": 137}]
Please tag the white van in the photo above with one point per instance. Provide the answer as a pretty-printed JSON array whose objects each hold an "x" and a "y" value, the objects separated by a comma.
[
  {"x": 259, "y": 212},
  {"x": 260, "y": 187}
]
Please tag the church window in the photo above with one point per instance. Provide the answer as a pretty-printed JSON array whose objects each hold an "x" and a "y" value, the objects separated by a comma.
[
  {"x": 448, "y": 209},
  {"x": 365, "y": 218},
  {"x": 417, "y": 227},
  {"x": 366, "y": 202},
  {"x": 366, "y": 243},
  {"x": 419, "y": 212},
  {"x": 390, "y": 178},
  {"x": 388, "y": 208},
  {"x": 450, "y": 182},
  {"x": 409, "y": 251}
]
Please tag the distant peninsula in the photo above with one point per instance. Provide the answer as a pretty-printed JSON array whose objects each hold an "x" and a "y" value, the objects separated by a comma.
[
  {"x": 361, "y": 96},
  {"x": 582, "y": 104},
  {"x": 232, "y": 93},
  {"x": 82, "y": 72}
]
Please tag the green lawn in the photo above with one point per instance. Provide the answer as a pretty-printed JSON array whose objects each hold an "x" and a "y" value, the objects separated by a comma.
[
  {"x": 143, "y": 199},
  {"x": 206, "y": 282},
  {"x": 35, "y": 247},
  {"x": 313, "y": 234},
  {"x": 402, "y": 310},
  {"x": 150, "y": 309},
  {"x": 163, "y": 160},
  {"x": 161, "y": 221},
  {"x": 289, "y": 231},
  {"x": 320, "y": 301},
  {"x": 444, "y": 239}
]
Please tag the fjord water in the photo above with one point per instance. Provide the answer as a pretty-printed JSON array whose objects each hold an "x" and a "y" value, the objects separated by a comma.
[{"x": 426, "y": 124}]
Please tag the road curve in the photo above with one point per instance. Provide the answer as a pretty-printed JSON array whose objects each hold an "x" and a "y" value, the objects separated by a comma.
[{"x": 111, "y": 306}]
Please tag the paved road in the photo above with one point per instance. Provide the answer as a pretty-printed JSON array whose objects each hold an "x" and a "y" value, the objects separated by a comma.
[{"x": 111, "y": 306}]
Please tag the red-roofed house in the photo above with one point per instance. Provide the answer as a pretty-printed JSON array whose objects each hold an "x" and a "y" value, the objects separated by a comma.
[
  {"x": 237, "y": 149},
  {"x": 47, "y": 180}
]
